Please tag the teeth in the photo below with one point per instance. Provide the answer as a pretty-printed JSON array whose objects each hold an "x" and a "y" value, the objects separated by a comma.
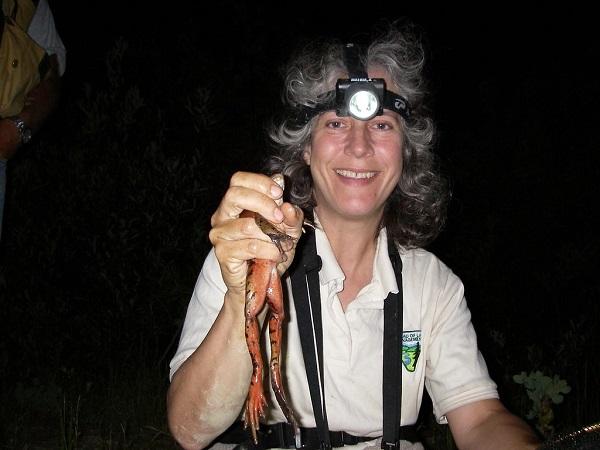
[{"x": 352, "y": 174}]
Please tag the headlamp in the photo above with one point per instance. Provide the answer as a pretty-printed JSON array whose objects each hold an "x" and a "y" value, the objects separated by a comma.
[{"x": 359, "y": 97}]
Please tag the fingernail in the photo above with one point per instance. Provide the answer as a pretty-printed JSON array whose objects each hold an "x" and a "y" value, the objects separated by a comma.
[
  {"x": 277, "y": 214},
  {"x": 276, "y": 191}
]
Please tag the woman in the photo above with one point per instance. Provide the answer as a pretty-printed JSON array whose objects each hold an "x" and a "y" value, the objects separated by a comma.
[{"x": 360, "y": 180}]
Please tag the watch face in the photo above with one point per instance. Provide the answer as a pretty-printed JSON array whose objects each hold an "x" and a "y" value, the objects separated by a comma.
[
  {"x": 23, "y": 130},
  {"x": 26, "y": 137}
]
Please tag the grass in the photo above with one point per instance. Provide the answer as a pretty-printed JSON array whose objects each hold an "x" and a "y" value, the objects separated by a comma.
[{"x": 126, "y": 413}]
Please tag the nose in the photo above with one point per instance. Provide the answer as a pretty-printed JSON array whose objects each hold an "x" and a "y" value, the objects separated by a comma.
[{"x": 359, "y": 142}]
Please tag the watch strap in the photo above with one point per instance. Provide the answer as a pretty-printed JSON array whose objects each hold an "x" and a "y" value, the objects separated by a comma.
[{"x": 22, "y": 128}]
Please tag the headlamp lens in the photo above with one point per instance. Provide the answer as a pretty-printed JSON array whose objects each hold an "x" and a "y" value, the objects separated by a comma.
[{"x": 363, "y": 105}]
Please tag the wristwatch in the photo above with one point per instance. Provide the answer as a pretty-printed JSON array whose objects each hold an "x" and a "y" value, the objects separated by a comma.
[{"x": 24, "y": 130}]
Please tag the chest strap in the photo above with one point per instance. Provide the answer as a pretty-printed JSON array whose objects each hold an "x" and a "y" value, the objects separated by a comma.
[{"x": 304, "y": 275}]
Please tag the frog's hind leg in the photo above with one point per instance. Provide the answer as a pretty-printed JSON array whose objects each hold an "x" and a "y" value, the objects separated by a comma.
[
  {"x": 257, "y": 283},
  {"x": 276, "y": 318}
]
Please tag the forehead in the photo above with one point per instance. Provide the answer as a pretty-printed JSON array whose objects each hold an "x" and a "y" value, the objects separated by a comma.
[
  {"x": 331, "y": 114},
  {"x": 379, "y": 72}
]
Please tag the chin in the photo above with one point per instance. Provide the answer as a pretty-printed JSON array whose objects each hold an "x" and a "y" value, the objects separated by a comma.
[{"x": 361, "y": 212}]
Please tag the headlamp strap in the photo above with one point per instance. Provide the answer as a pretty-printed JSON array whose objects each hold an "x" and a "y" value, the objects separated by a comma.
[
  {"x": 352, "y": 61},
  {"x": 357, "y": 74}
]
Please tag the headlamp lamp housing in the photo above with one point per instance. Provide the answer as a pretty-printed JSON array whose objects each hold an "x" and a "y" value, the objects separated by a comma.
[{"x": 361, "y": 98}]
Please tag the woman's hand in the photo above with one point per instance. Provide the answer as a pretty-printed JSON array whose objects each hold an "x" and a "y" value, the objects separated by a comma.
[{"x": 239, "y": 239}]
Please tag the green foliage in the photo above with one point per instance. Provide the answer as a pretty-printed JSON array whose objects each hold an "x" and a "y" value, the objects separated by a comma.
[
  {"x": 540, "y": 386},
  {"x": 570, "y": 349},
  {"x": 543, "y": 391}
]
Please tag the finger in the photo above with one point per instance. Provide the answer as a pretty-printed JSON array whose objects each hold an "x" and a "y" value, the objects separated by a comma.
[
  {"x": 293, "y": 218},
  {"x": 241, "y": 240},
  {"x": 239, "y": 251},
  {"x": 253, "y": 192},
  {"x": 257, "y": 182},
  {"x": 238, "y": 199},
  {"x": 238, "y": 229}
]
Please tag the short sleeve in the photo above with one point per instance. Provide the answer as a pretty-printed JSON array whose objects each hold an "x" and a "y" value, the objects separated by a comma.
[
  {"x": 456, "y": 372},
  {"x": 42, "y": 30},
  {"x": 205, "y": 304}
]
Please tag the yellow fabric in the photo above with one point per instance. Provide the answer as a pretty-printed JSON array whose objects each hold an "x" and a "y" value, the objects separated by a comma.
[{"x": 20, "y": 56}]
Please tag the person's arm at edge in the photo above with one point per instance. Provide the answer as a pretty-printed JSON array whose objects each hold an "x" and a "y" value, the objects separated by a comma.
[
  {"x": 208, "y": 391},
  {"x": 39, "y": 104},
  {"x": 488, "y": 425},
  {"x": 42, "y": 99}
]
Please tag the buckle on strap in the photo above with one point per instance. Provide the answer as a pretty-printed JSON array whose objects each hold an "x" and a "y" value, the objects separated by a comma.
[
  {"x": 336, "y": 438},
  {"x": 390, "y": 445},
  {"x": 341, "y": 438}
]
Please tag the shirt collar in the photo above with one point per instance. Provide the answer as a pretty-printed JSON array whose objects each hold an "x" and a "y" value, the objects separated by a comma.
[
  {"x": 330, "y": 270},
  {"x": 383, "y": 271}
]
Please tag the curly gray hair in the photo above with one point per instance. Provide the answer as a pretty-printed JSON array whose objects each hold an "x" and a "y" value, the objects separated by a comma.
[{"x": 415, "y": 211}]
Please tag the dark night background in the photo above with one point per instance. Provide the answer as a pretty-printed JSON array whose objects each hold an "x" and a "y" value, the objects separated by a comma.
[{"x": 108, "y": 210}]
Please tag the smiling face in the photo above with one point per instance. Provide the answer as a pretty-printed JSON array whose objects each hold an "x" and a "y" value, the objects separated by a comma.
[{"x": 355, "y": 164}]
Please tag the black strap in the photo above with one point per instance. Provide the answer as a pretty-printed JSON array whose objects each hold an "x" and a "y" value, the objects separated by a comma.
[
  {"x": 352, "y": 61},
  {"x": 304, "y": 273},
  {"x": 392, "y": 357},
  {"x": 281, "y": 435},
  {"x": 305, "y": 279}
]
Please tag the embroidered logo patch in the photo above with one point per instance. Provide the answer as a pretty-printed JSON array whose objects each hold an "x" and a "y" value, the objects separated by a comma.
[{"x": 411, "y": 349}]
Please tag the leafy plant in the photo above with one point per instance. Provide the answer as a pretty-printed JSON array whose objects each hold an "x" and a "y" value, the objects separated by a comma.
[{"x": 543, "y": 391}]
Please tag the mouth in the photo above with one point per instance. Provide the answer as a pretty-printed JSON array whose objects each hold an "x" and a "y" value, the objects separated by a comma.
[{"x": 362, "y": 175}]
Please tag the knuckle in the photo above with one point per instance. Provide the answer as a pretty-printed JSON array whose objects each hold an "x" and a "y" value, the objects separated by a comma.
[
  {"x": 213, "y": 219},
  {"x": 229, "y": 194},
  {"x": 248, "y": 226},
  {"x": 253, "y": 247},
  {"x": 219, "y": 252},
  {"x": 232, "y": 196},
  {"x": 212, "y": 236},
  {"x": 236, "y": 177}
]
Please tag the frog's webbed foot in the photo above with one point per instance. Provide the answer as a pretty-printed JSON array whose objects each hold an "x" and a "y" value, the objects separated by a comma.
[
  {"x": 280, "y": 240},
  {"x": 254, "y": 409}
]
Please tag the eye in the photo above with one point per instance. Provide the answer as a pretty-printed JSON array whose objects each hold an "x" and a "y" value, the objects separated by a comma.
[
  {"x": 334, "y": 124},
  {"x": 383, "y": 125}
]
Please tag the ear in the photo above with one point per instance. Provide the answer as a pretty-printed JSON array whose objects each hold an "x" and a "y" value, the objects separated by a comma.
[{"x": 306, "y": 155}]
